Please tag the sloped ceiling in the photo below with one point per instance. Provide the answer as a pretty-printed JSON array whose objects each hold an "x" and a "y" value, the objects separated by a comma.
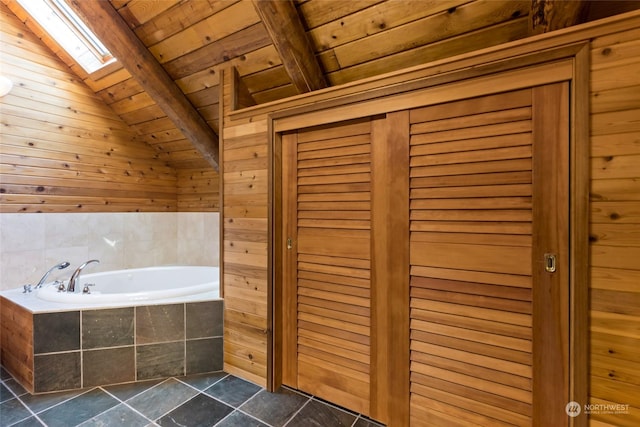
[{"x": 282, "y": 48}]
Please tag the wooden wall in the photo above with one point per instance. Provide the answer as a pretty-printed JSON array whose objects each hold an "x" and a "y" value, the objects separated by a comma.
[
  {"x": 244, "y": 261},
  {"x": 615, "y": 226},
  {"x": 64, "y": 150},
  {"x": 198, "y": 190},
  {"x": 615, "y": 197}
]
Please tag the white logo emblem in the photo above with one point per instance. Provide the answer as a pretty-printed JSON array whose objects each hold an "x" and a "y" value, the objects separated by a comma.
[{"x": 573, "y": 409}]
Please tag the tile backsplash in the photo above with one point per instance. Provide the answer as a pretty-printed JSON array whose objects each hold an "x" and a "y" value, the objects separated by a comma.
[{"x": 31, "y": 243}]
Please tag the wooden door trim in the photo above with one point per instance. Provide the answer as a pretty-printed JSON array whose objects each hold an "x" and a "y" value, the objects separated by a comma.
[
  {"x": 288, "y": 275},
  {"x": 457, "y": 88},
  {"x": 550, "y": 245},
  {"x": 579, "y": 181},
  {"x": 390, "y": 355}
]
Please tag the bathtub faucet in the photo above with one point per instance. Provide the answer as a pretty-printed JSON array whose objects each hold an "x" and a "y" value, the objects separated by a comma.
[
  {"x": 75, "y": 277},
  {"x": 60, "y": 266}
]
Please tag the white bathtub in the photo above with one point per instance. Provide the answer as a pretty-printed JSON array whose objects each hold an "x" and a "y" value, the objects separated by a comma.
[
  {"x": 129, "y": 304},
  {"x": 139, "y": 286}
]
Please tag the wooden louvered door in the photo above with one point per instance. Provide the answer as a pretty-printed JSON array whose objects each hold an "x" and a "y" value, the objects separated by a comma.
[
  {"x": 489, "y": 197},
  {"x": 345, "y": 300},
  {"x": 328, "y": 233},
  {"x": 415, "y": 247}
]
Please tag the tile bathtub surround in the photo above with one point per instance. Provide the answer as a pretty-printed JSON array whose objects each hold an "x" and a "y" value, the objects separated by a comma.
[
  {"x": 74, "y": 349},
  {"x": 55, "y": 332},
  {"x": 107, "y": 328},
  {"x": 30, "y": 243},
  {"x": 159, "y": 323},
  {"x": 57, "y": 371},
  {"x": 214, "y": 399}
]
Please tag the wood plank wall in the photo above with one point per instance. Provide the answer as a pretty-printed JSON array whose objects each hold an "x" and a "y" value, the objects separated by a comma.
[
  {"x": 65, "y": 150},
  {"x": 615, "y": 247},
  {"x": 198, "y": 190},
  {"x": 615, "y": 226},
  {"x": 244, "y": 218}
]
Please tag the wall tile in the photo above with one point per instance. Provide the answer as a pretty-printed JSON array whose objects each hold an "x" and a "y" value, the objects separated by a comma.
[
  {"x": 106, "y": 240},
  {"x": 108, "y": 366},
  {"x": 160, "y": 360},
  {"x": 56, "y": 332},
  {"x": 75, "y": 255},
  {"x": 139, "y": 253},
  {"x": 66, "y": 229},
  {"x": 32, "y": 243},
  {"x": 159, "y": 323},
  {"x": 23, "y": 232},
  {"x": 60, "y": 371},
  {"x": 20, "y": 267},
  {"x": 204, "y": 319},
  {"x": 204, "y": 355},
  {"x": 107, "y": 328}
]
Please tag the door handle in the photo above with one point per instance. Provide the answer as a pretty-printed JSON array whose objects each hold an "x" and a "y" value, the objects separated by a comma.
[{"x": 550, "y": 263}]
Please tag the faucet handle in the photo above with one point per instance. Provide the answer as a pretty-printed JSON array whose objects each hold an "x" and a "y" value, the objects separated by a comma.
[
  {"x": 26, "y": 288},
  {"x": 60, "y": 285}
]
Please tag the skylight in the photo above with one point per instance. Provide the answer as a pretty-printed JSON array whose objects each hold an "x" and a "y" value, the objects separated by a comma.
[{"x": 68, "y": 30}]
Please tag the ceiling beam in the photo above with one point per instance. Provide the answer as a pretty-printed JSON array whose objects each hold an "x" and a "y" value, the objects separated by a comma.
[
  {"x": 550, "y": 15},
  {"x": 122, "y": 42},
  {"x": 287, "y": 33}
]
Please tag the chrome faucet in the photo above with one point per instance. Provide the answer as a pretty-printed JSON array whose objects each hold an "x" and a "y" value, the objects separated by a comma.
[
  {"x": 64, "y": 264},
  {"x": 75, "y": 277}
]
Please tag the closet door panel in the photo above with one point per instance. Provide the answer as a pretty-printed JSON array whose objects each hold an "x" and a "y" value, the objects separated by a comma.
[
  {"x": 333, "y": 265},
  {"x": 488, "y": 203},
  {"x": 471, "y": 228}
]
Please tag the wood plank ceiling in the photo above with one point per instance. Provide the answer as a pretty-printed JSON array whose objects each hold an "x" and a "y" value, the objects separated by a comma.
[{"x": 283, "y": 48}]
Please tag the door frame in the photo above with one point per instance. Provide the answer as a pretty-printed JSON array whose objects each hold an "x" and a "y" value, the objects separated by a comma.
[{"x": 566, "y": 63}]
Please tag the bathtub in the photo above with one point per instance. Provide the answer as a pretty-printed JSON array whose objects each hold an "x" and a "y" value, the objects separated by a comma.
[
  {"x": 133, "y": 325},
  {"x": 120, "y": 288},
  {"x": 139, "y": 285}
]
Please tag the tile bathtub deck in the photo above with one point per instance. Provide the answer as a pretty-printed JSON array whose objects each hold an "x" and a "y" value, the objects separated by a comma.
[{"x": 216, "y": 399}]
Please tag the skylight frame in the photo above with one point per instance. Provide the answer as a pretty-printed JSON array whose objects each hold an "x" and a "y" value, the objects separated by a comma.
[{"x": 68, "y": 31}]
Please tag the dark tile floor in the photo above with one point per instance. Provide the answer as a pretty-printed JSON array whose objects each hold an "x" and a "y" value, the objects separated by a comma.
[{"x": 216, "y": 399}]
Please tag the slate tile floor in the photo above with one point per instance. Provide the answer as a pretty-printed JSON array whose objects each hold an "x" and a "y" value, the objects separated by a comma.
[{"x": 216, "y": 399}]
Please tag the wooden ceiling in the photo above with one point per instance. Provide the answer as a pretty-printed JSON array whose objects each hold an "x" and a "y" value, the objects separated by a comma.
[{"x": 166, "y": 83}]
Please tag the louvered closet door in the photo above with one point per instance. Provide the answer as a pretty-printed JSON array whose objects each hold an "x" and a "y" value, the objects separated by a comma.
[
  {"x": 330, "y": 231},
  {"x": 484, "y": 189}
]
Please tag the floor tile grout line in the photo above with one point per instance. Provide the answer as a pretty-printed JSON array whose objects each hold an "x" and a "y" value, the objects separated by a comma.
[
  {"x": 208, "y": 387},
  {"x": 124, "y": 402},
  {"x": 250, "y": 397},
  {"x": 36, "y": 414},
  {"x": 155, "y": 420},
  {"x": 298, "y": 411},
  {"x": 182, "y": 381},
  {"x": 336, "y": 406},
  {"x": 253, "y": 417},
  {"x": 15, "y": 396}
]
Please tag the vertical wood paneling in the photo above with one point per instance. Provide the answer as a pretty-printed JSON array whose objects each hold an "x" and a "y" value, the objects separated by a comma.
[{"x": 614, "y": 225}]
